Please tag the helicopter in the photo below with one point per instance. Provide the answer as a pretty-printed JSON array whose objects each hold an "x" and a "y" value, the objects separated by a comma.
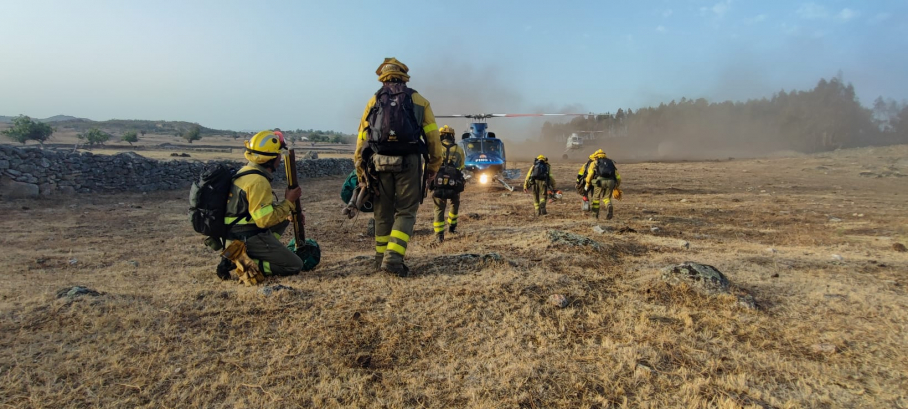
[
  {"x": 575, "y": 142},
  {"x": 485, "y": 159}
]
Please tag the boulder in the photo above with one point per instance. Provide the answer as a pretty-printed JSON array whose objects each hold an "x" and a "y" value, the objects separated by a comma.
[
  {"x": 702, "y": 276},
  {"x": 18, "y": 190},
  {"x": 572, "y": 240},
  {"x": 76, "y": 291}
]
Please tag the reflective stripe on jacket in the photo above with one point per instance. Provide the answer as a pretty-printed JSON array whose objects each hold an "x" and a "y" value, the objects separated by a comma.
[{"x": 252, "y": 194}]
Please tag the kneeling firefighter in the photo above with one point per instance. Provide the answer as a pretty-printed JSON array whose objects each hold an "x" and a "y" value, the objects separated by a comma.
[
  {"x": 540, "y": 179},
  {"x": 602, "y": 179},
  {"x": 254, "y": 213},
  {"x": 449, "y": 182}
]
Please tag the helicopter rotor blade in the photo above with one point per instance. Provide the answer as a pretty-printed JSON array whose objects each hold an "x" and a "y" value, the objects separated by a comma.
[
  {"x": 486, "y": 116},
  {"x": 523, "y": 115}
]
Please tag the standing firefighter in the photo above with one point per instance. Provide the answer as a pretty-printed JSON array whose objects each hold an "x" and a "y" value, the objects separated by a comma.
[
  {"x": 255, "y": 215},
  {"x": 540, "y": 179},
  {"x": 603, "y": 179},
  {"x": 397, "y": 151},
  {"x": 448, "y": 184}
]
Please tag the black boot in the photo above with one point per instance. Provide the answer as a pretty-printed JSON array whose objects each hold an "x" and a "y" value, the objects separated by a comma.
[
  {"x": 224, "y": 268},
  {"x": 439, "y": 237},
  {"x": 398, "y": 269},
  {"x": 451, "y": 228},
  {"x": 608, "y": 216}
]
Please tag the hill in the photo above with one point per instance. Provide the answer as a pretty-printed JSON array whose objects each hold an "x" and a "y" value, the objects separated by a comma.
[
  {"x": 65, "y": 123},
  {"x": 55, "y": 118}
]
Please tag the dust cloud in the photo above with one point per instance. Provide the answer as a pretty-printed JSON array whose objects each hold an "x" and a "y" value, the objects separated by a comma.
[{"x": 464, "y": 88}]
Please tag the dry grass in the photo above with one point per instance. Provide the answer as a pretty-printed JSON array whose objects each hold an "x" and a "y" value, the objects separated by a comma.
[{"x": 166, "y": 333}]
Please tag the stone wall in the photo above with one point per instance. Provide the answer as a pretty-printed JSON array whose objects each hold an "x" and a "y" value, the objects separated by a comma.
[{"x": 32, "y": 172}]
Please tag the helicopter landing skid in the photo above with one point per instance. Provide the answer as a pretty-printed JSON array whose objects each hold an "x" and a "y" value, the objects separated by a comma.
[{"x": 505, "y": 184}]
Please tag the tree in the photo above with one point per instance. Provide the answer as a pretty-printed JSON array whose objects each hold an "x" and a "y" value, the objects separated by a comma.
[
  {"x": 131, "y": 137},
  {"x": 25, "y": 129},
  {"x": 143, "y": 132},
  {"x": 94, "y": 136},
  {"x": 194, "y": 134}
]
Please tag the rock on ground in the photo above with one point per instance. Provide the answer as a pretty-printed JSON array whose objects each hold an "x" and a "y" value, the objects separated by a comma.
[
  {"x": 709, "y": 280},
  {"x": 76, "y": 291},
  {"x": 698, "y": 275},
  {"x": 18, "y": 190},
  {"x": 271, "y": 289},
  {"x": 558, "y": 300},
  {"x": 571, "y": 239}
]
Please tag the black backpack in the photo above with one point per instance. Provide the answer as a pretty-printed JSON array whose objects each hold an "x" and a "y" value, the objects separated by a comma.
[
  {"x": 208, "y": 200},
  {"x": 540, "y": 170},
  {"x": 605, "y": 168},
  {"x": 448, "y": 181},
  {"x": 393, "y": 128}
]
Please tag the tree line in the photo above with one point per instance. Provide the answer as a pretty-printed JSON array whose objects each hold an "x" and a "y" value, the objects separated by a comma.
[{"x": 827, "y": 117}]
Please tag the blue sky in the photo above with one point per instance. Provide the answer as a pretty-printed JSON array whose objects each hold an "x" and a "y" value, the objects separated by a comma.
[{"x": 289, "y": 64}]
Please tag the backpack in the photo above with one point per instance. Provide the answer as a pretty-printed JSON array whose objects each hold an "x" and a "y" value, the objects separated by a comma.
[
  {"x": 208, "y": 200},
  {"x": 449, "y": 181},
  {"x": 540, "y": 170},
  {"x": 393, "y": 129},
  {"x": 605, "y": 168}
]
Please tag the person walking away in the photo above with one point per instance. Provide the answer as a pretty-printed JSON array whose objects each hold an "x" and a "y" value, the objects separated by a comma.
[
  {"x": 540, "y": 179},
  {"x": 256, "y": 216},
  {"x": 603, "y": 178},
  {"x": 580, "y": 186},
  {"x": 449, "y": 182},
  {"x": 397, "y": 151}
]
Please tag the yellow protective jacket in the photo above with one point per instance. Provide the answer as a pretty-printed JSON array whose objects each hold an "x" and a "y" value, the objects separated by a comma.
[
  {"x": 527, "y": 181},
  {"x": 252, "y": 195},
  {"x": 455, "y": 154},
  {"x": 590, "y": 169},
  {"x": 433, "y": 140},
  {"x": 585, "y": 166}
]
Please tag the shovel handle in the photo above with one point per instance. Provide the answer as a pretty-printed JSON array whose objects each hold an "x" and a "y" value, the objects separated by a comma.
[{"x": 298, "y": 220}]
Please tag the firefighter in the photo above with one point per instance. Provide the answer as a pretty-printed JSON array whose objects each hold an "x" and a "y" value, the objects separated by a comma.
[
  {"x": 256, "y": 216},
  {"x": 450, "y": 186},
  {"x": 602, "y": 178},
  {"x": 394, "y": 158},
  {"x": 581, "y": 180},
  {"x": 540, "y": 179}
]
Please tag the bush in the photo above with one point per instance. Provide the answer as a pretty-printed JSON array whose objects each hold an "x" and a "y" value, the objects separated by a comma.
[
  {"x": 130, "y": 137},
  {"x": 194, "y": 134},
  {"x": 94, "y": 136},
  {"x": 25, "y": 129}
]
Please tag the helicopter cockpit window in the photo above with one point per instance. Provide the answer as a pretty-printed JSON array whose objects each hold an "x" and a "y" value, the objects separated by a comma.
[{"x": 486, "y": 146}]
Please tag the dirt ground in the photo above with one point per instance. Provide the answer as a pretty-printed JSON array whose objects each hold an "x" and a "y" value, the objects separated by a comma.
[{"x": 811, "y": 238}]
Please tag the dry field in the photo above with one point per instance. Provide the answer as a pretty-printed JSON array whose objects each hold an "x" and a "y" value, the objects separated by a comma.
[{"x": 830, "y": 331}]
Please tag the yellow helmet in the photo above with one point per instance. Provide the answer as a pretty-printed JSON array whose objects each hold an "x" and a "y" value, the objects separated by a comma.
[
  {"x": 446, "y": 129},
  {"x": 542, "y": 158},
  {"x": 264, "y": 146},
  {"x": 597, "y": 154}
]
